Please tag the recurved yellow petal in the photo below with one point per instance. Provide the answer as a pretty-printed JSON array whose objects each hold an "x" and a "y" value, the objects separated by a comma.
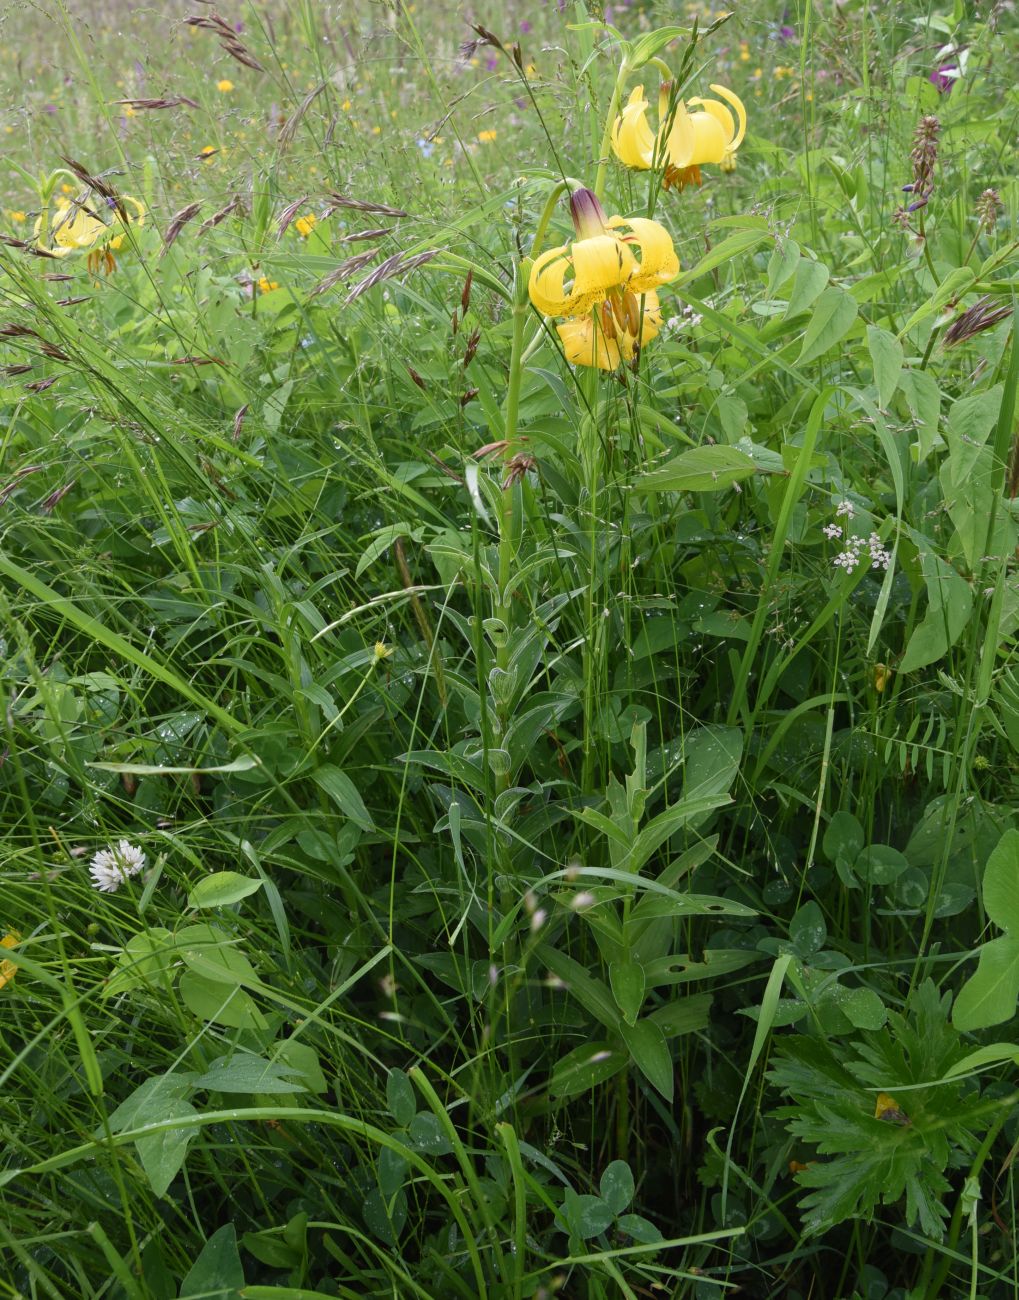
[
  {"x": 741, "y": 114},
  {"x": 658, "y": 261},
  {"x": 545, "y": 285},
  {"x": 633, "y": 141}
]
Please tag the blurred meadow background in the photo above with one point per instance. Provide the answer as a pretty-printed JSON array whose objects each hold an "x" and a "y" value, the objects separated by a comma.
[{"x": 509, "y": 724}]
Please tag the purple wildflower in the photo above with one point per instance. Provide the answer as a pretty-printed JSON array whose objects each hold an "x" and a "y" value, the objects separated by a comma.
[{"x": 944, "y": 79}]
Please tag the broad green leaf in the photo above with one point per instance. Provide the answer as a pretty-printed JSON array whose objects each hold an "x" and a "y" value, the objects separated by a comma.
[
  {"x": 302, "y": 1060},
  {"x": 843, "y": 837},
  {"x": 650, "y": 1053},
  {"x": 1001, "y": 883},
  {"x": 969, "y": 488},
  {"x": 221, "y": 889},
  {"x": 969, "y": 425},
  {"x": 862, "y": 1008},
  {"x": 217, "y": 1273},
  {"x": 701, "y": 469},
  {"x": 949, "y": 603},
  {"x": 344, "y": 793},
  {"x": 144, "y": 961},
  {"x": 782, "y": 264},
  {"x": 626, "y": 979},
  {"x": 592, "y": 994},
  {"x": 585, "y": 1067},
  {"x": 832, "y": 319},
  {"x": 808, "y": 930},
  {"x": 383, "y": 540},
  {"x": 741, "y": 241},
  {"x": 639, "y": 1228},
  {"x": 616, "y": 1186},
  {"x": 880, "y": 864},
  {"x": 886, "y": 358},
  {"x": 989, "y": 995},
  {"x": 992, "y": 1054},
  {"x": 588, "y": 1216},
  {"x": 161, "y": 1098},
  {"x": 923, "y": 397},
  {"x": 811, "y": 278},
  {"x": 211, "y": 1000},
  {"x": 651, "y": 43},
  {"x": 683, "y": 1015},
  {"x": 212, "y": 954},
  {"x": 400, "y": 1097},
  {"x": 246, "y": 1072}
]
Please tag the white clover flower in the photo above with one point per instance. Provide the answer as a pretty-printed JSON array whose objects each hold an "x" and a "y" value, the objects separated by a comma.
[{"x": 111, "y": 867}]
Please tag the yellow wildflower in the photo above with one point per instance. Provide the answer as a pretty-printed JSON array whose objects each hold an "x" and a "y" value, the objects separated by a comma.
[
  {"x": 882, "y": 676},
  {"x": 486, "y": 137},
  {"x": 74, "y": 228},
  {"x": 306, "y": 224},
  {"x": 267, "y": 286},
  {"x": 225, "y": 86},
  {"x": 611, "y": 304},
  {"x": 685, "y": 139},
  {"x": 7, "y": 968}
]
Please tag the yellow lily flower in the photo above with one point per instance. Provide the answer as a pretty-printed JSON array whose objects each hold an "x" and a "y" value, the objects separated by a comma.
[
  {"x": 602, "y": 261},
  {"x": 685, "y": 139},
  {"x": 7, "y": 968},
  {"x": 70, "y": 231},
  {"x": 611, "y": 334}
]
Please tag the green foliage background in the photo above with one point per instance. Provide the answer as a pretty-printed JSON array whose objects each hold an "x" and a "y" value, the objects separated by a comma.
[{"x": 563, "y": 878}]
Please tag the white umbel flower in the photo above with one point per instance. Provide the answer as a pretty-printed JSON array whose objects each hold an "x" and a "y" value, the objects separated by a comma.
[{"x": 111, "y": 867}]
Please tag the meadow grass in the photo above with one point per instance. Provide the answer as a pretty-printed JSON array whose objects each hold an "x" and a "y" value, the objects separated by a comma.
[{"x": 475, "y": 824}]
